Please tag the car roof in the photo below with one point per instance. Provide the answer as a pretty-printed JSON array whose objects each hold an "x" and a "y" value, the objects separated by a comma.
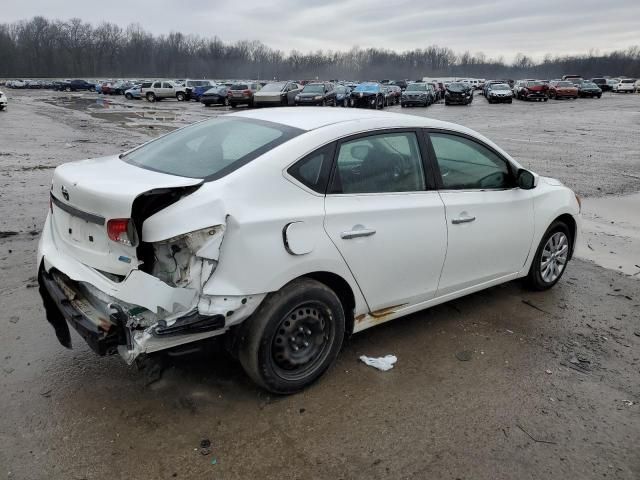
[{"x": 311, "y": 118}]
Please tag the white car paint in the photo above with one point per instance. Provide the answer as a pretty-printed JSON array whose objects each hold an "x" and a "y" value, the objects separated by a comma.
[
  {"x": 257, "y": 228},
  {"x": 3, "y": 101}
]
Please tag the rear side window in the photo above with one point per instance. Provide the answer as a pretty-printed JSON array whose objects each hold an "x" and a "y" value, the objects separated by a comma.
[
  {"x": 146, "y": 85},
  {"x": 211, "y": 149},
  {"x": 383, "y": 163},
  {"x": 313, "y": 170}
]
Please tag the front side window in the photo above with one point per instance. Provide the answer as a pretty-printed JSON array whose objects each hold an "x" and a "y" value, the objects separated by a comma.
[
  {"x": 467, "y": 165},
  {"x": 166, "y": 85},
  {"x": 383, "y": 163},
  {"x": 211, "y": 149}
]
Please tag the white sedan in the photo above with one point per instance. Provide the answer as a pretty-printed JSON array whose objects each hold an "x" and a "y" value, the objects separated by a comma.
[{"x": 287, "y": 229}]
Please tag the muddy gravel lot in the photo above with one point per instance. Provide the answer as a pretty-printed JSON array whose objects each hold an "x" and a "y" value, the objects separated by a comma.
[{"x": 502, "y": 384}]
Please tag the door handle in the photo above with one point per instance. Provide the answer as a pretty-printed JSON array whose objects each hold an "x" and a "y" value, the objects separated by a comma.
[
  {"x": 459, "y": 220},
  {"x": 356, "y": 233}
]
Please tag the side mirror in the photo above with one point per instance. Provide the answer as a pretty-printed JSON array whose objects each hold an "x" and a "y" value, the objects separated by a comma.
[{"x": 526, "y": 180}]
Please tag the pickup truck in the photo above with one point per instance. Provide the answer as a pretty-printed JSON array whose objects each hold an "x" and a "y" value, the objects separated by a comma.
[{"x": 161, "y": 89}]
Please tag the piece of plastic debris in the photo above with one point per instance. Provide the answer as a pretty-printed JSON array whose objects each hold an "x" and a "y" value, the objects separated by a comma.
[
  {"x": 548, "y": 372},
  {"x": 628, "y": 403},
  {"x": 205, "y": 451},
  {"x": 464, "y": 355},
  {"x": 205, "y": 443},
  {"x": 214, "y": 461},
  {"x": 381, "y": 363}
]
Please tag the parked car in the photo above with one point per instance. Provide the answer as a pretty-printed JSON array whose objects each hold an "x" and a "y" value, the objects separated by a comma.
[
  {"x": 367, "y": 95},
  {"x": 106, "y": 88},
  {"x": 499, "y": 93},
  {"x": 75, "y": 85},
  {"x": 394, "y": 94},
  {"x": 318, "y": 94},
  {"x": 531, "y": 90},
  {"x": 602, "y": 83},
  {"x": 575, "y": 79},
  {"x": 4, "y": 103},
  {"x": 160, "y": 89},
  {"x": 400, "y": 83},
  {"x": 458, "y": 93},
  {"x": 625, "y": 85},
  {"x": 218, "y": 95},
  {"x": 134, "y": 92},
  {"x": 277, "y": 94},
  {"x": 589, "y": 89},
  {"x": 242, "y": 94},
  {"x": 178, "y": 252},
  {"x": 192, "y": 89},
  {"x": 562, "y": 89},
  {"x": 342, "y": 95},
  {"x": 417, "y": 94},
  {"x": 121, "y": 86}
]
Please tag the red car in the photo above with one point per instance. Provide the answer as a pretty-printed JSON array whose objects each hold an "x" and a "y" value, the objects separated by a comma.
[
  {"x": 105, "y": 89},
  {"x": 531, "y": 90},
  {"x": 562, "y": 89}
]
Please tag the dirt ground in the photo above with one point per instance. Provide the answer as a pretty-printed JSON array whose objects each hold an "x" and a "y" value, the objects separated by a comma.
[{"x": 551, "y": 389}]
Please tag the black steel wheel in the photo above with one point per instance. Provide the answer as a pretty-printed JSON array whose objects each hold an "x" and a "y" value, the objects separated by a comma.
[{"x": 293, "y": 337}]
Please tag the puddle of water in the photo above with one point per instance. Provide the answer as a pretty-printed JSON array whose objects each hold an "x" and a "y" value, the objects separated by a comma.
[{"x": 611, "y": 233}]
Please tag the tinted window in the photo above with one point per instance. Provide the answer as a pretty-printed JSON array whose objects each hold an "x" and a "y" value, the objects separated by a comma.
[
  {"x": 382, "y": 163},
  {"x": 313, "y": 170},
  {"x": 166, "y": 85},
  {"x": 212, "y": 148},
  {"x": 156, "y": 85},
  {"x": 465, "y": 164},
  {"x": 273, "y": 87},
  {"x": 146, "y": 85}
]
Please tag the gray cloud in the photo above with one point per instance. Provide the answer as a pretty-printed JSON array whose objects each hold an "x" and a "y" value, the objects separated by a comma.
[{"x": 497, "y": 28}]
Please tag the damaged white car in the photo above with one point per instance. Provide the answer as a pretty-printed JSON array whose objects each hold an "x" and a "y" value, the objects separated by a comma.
[{"x": 288, "y": 229}]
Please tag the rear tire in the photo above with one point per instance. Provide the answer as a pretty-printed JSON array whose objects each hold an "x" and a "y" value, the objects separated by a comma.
[
  {"x": 554, "y": 252},
  {"x": 128, "y": 96},
  {"x": 293, "y": 337},
  {"x": 151, "y": 97},
  {"x": 181, "y": 97}
]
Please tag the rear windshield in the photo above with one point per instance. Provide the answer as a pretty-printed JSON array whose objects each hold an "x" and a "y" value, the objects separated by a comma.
[
  {"x": 457, "y": 87},
  {"x": 239, "y": 86},
  {"x": 564, "y": 84},
  {"x": 211, "y": 149},
  {"x": 273, "y": 87},
  {"x": 534, "y": 84},
  {"x": 313, "y": 88},
  {"x": 416, "y": 87},
  {"x": 500, "y": 86}
]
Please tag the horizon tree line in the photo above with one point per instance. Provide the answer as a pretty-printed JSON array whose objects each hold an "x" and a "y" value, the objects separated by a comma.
[{"x": 43, "y": 48}]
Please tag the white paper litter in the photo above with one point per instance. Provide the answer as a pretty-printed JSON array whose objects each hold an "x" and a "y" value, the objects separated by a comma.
[{"x": 381, "y": 363}]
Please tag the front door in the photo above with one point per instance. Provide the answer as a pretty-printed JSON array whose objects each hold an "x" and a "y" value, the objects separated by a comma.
[
  {"x": 387, "y": 224},
  {"x": 489, "y": 220}
]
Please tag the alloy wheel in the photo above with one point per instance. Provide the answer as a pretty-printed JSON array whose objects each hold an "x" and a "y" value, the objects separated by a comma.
[{"x": 554, "y": 257}]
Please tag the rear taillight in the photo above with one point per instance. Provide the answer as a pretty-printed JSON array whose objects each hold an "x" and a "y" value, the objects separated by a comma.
[
  {"x": 121, "y": 230},
  {"x": 247, "y": 93}
]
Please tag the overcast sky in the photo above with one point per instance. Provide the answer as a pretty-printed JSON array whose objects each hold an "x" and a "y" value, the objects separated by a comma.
[{"x": 497, "y": 28}]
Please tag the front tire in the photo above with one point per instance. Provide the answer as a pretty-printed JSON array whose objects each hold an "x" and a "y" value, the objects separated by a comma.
[
  {"x": 551, "y": 258},
  {"x": 151, "y": 97},
  {"x": 181, "y": 97},
  {"x": 293, "y": 337},
  {"x": 128, "y": 96}
]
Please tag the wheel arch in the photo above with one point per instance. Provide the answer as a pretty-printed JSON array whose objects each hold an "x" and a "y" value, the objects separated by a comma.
[
  {"x": 344, "y": 292},
  {"x": 570, "y": 222}
]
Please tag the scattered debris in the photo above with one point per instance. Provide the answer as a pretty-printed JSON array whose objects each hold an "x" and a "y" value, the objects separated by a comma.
[
  {"x": 628, "y": 403},
  {"x": 14, "y": 319},
  {"x": 535, "y": 439},
  {"x": 7, "y": 233},
  {"x": 46, "y": 394},
  {"x": 464, "y": 355},
  {"x": 205, "y": 443},
  {"x": 548, "y": 372},
  {"x": 302, "y": 410},
  {"x": 214, "y": 461},
  {"x": 381, "y": 363},
  {"x": 205, "y": 451}
]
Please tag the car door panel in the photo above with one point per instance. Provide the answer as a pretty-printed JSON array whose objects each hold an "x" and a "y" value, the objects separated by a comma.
[
  {"x": 490, "y": 223},
  {"x": 388, "y": 227}
]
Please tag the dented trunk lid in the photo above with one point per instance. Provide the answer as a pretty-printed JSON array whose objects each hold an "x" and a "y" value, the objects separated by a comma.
[{"x": 87, "y": 194}]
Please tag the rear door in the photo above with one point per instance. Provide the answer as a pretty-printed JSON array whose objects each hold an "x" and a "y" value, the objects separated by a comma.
[
  {"x": 489, "y": 220},
  {"x": 385, "y": 219}
]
